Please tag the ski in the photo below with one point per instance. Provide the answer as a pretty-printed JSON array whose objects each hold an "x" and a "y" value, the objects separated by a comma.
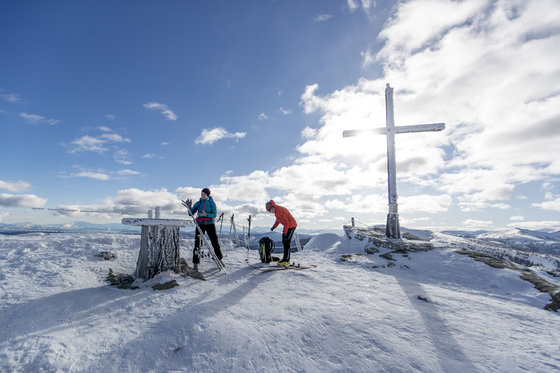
[
  {"x": 217, "y": 261},
  {"x": 276, "y": 267}
]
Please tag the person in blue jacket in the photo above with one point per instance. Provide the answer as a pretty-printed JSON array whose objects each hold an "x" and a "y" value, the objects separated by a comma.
[{"x": 206, "y": 212}]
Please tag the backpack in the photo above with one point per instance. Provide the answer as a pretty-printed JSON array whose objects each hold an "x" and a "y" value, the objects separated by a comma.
[{"x": 266, "y": 248}]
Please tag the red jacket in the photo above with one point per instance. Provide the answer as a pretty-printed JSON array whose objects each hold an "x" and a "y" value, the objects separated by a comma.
[{"x": 283, "y": 216}]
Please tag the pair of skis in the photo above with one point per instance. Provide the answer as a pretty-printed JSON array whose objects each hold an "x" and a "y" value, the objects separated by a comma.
[
  {"x": 218, "y": 262},
  {"x": 277, "y": 267}
]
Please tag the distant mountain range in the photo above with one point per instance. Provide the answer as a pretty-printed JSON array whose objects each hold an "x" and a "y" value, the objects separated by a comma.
[
  {"x": 517, "y": 238},
  {"x": 76, "y": 227},
  {"x": 118, "y": 227}
]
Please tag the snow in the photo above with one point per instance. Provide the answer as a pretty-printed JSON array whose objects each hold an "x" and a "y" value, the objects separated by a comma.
[{"x": 57, "y": 313}]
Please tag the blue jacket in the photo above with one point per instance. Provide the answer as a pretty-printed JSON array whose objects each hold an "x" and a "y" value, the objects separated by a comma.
[{"x": 209, "y": 206}]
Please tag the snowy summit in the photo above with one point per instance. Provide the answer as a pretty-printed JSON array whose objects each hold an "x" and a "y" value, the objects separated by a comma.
[{"x": 363, "y": 308}]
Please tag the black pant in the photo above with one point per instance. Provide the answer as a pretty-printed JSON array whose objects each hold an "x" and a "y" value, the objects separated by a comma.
[
  {"x": 210, "y": 229},
  {"x": 286, "y": 242}
]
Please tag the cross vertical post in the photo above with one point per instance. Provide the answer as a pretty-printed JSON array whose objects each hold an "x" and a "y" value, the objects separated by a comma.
[{"x": 392, "y": 229}]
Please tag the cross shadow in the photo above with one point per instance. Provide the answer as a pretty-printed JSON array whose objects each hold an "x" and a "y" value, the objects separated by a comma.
[
  {"x": 450, "y": 356},
  {"x": 58, "y": 311}
]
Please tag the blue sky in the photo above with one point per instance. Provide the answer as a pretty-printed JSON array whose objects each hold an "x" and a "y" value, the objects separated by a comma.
[{"x": 119, "y": 107}]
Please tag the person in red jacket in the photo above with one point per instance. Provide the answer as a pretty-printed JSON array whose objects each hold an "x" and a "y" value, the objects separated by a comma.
[{"x": 283, "y": 217}]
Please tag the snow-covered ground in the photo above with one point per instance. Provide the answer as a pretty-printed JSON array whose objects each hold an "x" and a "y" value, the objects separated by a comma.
[{"x": 434, "y": 311}]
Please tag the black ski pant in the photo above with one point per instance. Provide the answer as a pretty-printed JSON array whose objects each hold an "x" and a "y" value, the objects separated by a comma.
[
  {"x": 287, "y": 243},
  {"x": 209, "y": 229}
]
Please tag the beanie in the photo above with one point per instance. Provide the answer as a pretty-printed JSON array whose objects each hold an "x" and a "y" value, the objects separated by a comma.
[
  {"x": 269, "y": 205},
  {"x": 206, "y": 191}
]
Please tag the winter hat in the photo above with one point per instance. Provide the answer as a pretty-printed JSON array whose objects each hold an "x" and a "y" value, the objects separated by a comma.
[
  {"x": 269, "y": 205},
  {"x": 206, "y": 191}
]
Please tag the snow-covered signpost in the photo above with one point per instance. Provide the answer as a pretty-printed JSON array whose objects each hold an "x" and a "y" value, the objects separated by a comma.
[
  {"x": 393, "y": 229},
  {"x": 159, "y": 244}
]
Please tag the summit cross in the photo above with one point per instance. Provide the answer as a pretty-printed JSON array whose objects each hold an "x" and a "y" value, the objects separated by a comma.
[{"x": 393, "y": 229}]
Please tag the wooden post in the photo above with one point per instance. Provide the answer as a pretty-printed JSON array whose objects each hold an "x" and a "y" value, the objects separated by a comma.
[
  {"x": 159, "y": 245},
  {"x": 159, "y": 251}
]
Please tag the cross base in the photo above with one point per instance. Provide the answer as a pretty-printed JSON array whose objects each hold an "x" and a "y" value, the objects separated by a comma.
[{"x": 393, "y": 228}]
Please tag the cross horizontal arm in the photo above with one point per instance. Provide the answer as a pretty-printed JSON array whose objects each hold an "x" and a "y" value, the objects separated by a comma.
[
  {"x": 420, "y": 128},
  {"x": 397, "y": 129},
  {"x": 377, "y": 131}
]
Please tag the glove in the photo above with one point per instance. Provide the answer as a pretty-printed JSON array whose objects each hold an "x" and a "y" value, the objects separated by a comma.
[{"x": 188, "y": 202}]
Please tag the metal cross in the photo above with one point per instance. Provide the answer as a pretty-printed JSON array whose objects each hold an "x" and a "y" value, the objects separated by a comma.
[{"x": 393, "y": 229}]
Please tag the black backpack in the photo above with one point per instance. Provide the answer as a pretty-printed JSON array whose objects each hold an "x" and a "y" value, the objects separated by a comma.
[{"x": 266, "y": 248}]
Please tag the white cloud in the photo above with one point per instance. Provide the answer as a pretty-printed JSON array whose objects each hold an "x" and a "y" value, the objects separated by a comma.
[
  {"x": 10, "y": 97},
  {"x": 535, "y": 225},
  {"x": 263, "y": 116},
  {"x": 92, "y": 175},
  {"x": 164, "y": 109},
  {"x": 88, "y": 144},
  {"x": 216, "y": 134},
  {"x": 14, "y": 186},
  {"x": 430, "y": 19},
  {"x": 140, "y": 201},
  {"x": 97, "y": 144},
  {"x": 114, "y": 137},
  {"x": 37, "y": 119},
  {"x": 121, "y": 156},
  {"x": 127, "y": 202},
  {"x": 368, "y": 58},
  {"x": 308, "y": 133},
  {"x": 366, "y": 5},
  {"x": 352, "y": 5},
  {"x": 21, "y": 200},
  {"x": 128, "y": 172},
  {"x": 323, "y": 17},
  {"x": 553, "y": 205},
  {"x": 424, "y": 203},
  {"x": 283, "y": 111},
  {"x": 473, "y": 223}
]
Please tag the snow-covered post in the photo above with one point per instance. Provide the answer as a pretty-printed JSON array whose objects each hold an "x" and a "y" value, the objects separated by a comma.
[
  {"x": 235, "y": 236},
  {"x": 159, "y": 244},
  {"x": 298, "y": 244}
]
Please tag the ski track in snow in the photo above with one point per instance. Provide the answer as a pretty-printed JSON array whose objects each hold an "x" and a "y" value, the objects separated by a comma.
[{"x": 58, "y": 313}]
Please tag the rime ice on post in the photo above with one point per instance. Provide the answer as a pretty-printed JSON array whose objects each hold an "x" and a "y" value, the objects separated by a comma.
[
  {"x": 393, "y": 229},
  {"x": 159, "y": 244}
]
